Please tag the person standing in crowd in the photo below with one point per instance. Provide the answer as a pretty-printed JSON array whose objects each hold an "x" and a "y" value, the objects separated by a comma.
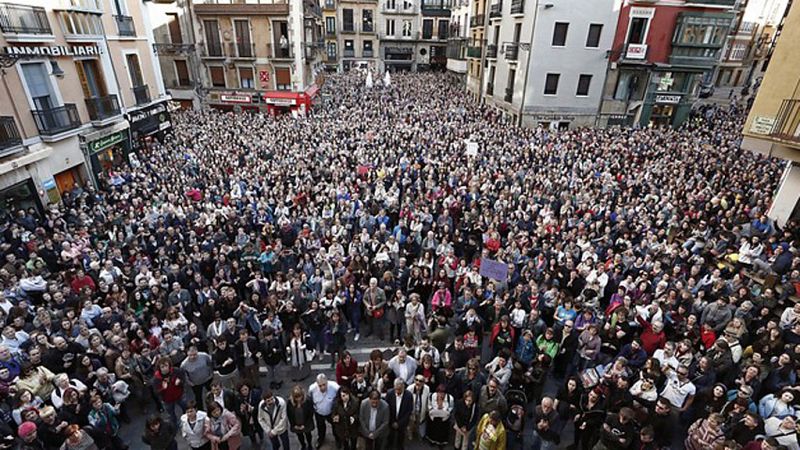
[
  {"x": 159, "y": 435},
  {"x": 193, "y": 427},
  {"x": 490, "y": 433},
  {"x": 223, "y": 429},
  {"x": 272, "y": 417},
  {"x": 374, "y": 421},
  {"x": 345, "y": 419},
  {"x": 401, "y": 408},
  {"x": 300, "y": 412},
  {"x": 199, "y": 369}
]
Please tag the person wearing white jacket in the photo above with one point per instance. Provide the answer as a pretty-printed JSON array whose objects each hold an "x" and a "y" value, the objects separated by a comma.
[
  {"x": 273, "y": 420},
  {"x": 421, "y": 394},
  {"x": 193, "y": 427}
]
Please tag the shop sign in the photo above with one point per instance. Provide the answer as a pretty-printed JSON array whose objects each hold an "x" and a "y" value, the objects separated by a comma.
[
  {"x": 263, "y": 75},
  {"x": 107, "y": 141},
  {"x": 552, "y": 118},
  {"x": 669, "y": 99},
  {"x": 280, "y": 101},
  {"x": 49, "y": 184},
  {"x": 55, "y": 50},
  {"x": 762, "y": 125},
  {"x": 642, "y": 12},
  {"x": 235, "y": 98},
  {"x": 143, "y": 114},
  {"x": 636, "y": 51}
]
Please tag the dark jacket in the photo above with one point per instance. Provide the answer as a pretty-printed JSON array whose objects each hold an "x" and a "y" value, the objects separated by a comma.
[
  {"x": 161, "y": 440},
  {"x": 301, "y": 415},
  {"x": 406, "y": 406},
  {"x": 346, "y": 428},
  {"x": 466, "y": 416}
]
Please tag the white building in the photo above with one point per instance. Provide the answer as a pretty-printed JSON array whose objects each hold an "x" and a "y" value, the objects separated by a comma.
[{"x": 547, "y": 60}]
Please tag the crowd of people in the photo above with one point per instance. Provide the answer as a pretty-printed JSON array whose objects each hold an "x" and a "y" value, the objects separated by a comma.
[{"x": 634, "y": 269}]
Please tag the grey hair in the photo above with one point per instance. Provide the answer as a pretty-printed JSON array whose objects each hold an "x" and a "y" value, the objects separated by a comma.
[
  {"x": 321, "y": 378},
  {"x": 399, "y": 382}
]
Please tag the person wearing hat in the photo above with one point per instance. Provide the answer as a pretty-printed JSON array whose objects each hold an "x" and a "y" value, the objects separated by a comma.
[{"x": 28, "y": 437}]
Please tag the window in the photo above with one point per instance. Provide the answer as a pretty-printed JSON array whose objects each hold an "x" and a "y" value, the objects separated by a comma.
[
  {"x": 283, "y": 79},
  {"x": 444, "y": 26},
  {"x": 213, "y": 46},
  {"x": 517, "y": 32},
  {"x": 584, "y": 81},
  {"x": 701, "y": 30},
  {"x": 39, "y": 87},
  {"x": 347, "y": 20},
  {"x": 182, "y": 72},
  {"x": 560, "y": 34},
  {"x": 627, "y": 85},
  {"x": 366, "y": 21},
  {"x": 391, "y": 4},
  {"x": 74, "y": 22},
  {"x": 367, "y": 46},
  {"x": 738, "y": 52},
  {"x": 637, "y": 30},
  {"x": 406, "y": 28},
  {"x": 175, "y": 29},
  {"x": 390, "y": 27},
  {"x": 134, "y": 70},
  {"x": 242, "y": 29},
  {"x": 593, "y": 38},
  {"x": 246, "y": 80},
  {"x": 348, "y": 45},
  {"x": 330, "y": 25},
  {"x": 91, "y": 78},
  {"x": 120, "y": 8},
  {"x": 551, "y": 84},
  {"x": 427, "y": 29},
  {"x": 331, "y": 50},
  {"x": 217, "y": 76}
]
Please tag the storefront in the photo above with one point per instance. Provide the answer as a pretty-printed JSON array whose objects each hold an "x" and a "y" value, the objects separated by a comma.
[
  {"x": 108, "y": 151},
  {"x": 151, "y": 122},
  {"x": 235, "y": 101},
  {"x": 20, "y": 196},
  {"x": 280, "y": 102}
]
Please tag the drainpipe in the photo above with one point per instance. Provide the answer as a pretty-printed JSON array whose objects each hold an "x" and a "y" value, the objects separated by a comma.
[
  {"x": 528, "y": 64},
  {"x": 482, "y": 68}
]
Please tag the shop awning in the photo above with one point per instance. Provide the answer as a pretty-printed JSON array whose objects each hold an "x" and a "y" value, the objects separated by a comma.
[{"x": 312, "y": 91}]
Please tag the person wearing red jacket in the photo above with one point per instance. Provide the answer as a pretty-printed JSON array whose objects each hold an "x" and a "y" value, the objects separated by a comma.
[
  {"x": 168, "y": 383},
  {"x": 653, "y": 336},
  {"x": 81, "y": 281}
]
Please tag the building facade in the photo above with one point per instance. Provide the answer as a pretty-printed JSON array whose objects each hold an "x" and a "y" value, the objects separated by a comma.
[
  {"x": 81, "y": 90},
  {"x": 357, "y": 40},
  {"x": 458, "y": 38},
  {"x": 476, "y": 45},
  {"x": 663, "y": 52},
  {"x": 751, "y": 41},
  {"x": 773, "y": 125},
  {"x": 258, "y": 55},
  {"x": 177, "y": 53}
]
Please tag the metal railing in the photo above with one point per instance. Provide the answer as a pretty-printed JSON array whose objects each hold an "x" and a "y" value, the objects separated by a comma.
[
  {"x": 9, "y": 134},
  {"x": 348, "y": 53},
  {"x": 101, "y": 108},
  {"x": 512, "y": 52},
  {"x": 348, "y": 29},
  {"x": 495, "y": 10},
  {"x": 367, "y": 53},
  {"x": 474, "y": 52},
  {"x": 125, "y": 25},
  {"x": 56, "y": 120},
  {"x": 24, "y": 19},
  {"x": 171, "y": 49},
  {"x": 331, "y": 58},
  {"x": 279, "y": 52},
  {"x": 517, "y": 6},
  {"x": 329, "y": 5},
  {"x": 330, "y": 33},
  {"x": 242, "y": 50},
  {"x": 491, "y": 51},
  {"x": 212, "y": 51},
  {"x": 141, "y": 94},
  {"x": 367, "y": 28},
  {"x": 787, "y": 123},
  {"x": 477, "y": 21},
  {"x": 86, "y": 5}
]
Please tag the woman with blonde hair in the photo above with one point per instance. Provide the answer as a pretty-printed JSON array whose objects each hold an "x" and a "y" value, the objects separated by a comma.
[{"x": 300, "y": 411}]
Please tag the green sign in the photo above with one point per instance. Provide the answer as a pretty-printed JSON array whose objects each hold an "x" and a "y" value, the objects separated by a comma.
[{"x": 105, "y": 142}]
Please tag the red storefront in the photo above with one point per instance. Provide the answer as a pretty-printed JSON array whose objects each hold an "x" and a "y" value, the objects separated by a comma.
[{"x": 278, "y": 102}]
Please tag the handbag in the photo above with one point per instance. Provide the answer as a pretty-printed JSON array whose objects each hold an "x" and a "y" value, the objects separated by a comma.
[{"x": 378, "y": 313}]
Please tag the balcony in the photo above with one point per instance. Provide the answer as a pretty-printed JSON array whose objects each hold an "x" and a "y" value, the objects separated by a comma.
[
  {"x": 477, "y": 21},
  {"x": 509, "y": 97},
  {"x": 512, "y": 52},
  {"x": 180, "y": 84},
  {"x": 721, "y": 3},
  {"x": 102, "y": 108},
  {"x": 141, "y": 94},
  {"x": 349, "y": 53},
  {"x": 367, "y": 28},
  {"x": 125, "y": 26},
  {"x": 21, "y": 19},
  {"x": 787, "y": 123},
  {"x": 245, "y": 50},
  {"x": 496, "y": 10},
  {"x": 173, "y": 49},
  {"x": 279, "y": 52},
  {"x": 367, "y": 53},
  {"x": 491, "y": 51},
  {"x": 330, "y": 58},
  {"x": 9, "y": 135},
  {"x": 701, "y": 57},
  {"x": 438, "y": 8},
  {"x": 57, "y": 120},
  {"x": 212, "y": 51},
  {"x": 517, "y": 6},
  {"x": 474, "y": 52},
  {"x": 330, "y": 33},
  {"x": 90, "y": 6},
  {"x": 348, "y": 29},
  {"x": 635, "y": 52},
  {"x": 329, "y": 6}
]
